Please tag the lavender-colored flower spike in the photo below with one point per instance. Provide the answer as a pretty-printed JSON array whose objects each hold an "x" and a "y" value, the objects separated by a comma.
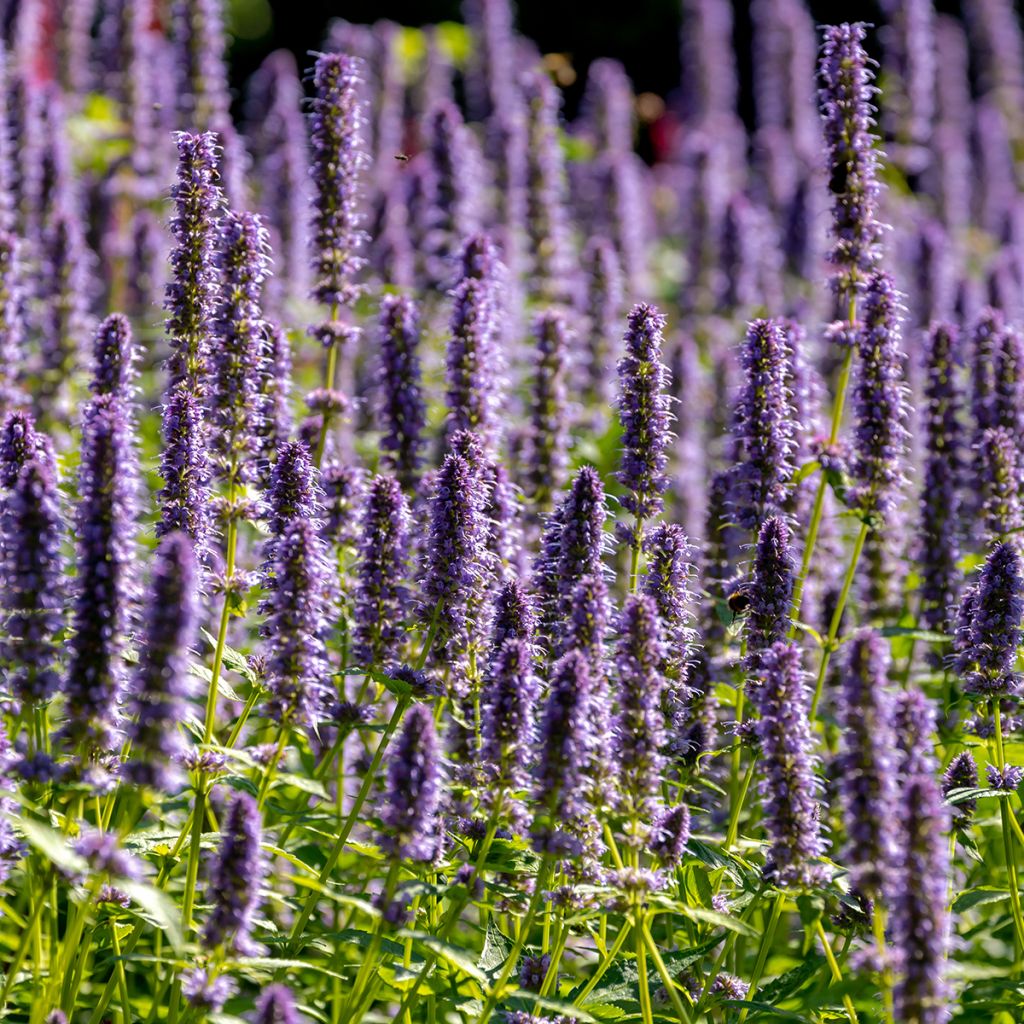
[
  {"x": 763, "y": 427},
  {"x": 549, "y": 435},
  {"x": 604, "y": 310},
  {"x": 163, "y": 683},
  {"x": 236, "y": 879},
  {"x": 993, "y": 611},
  {"x": 343, "y": 488},
  {"x": 771, "y": 589},
  {"x": 236, "y": 406},
  {"x": 380, "y": 594},
  {"x": 298, "y": 674},
  {"x": 639, "y": 728},
  {"x": 455, "y": 563},
  {"x": 881, "y": 403},
  {"x": 276, "y": 1006},
  {"x": 1008, "y": 392},
  {"x": 962, "y": 773},
  {"x": 402, "y": 408},
  {"x": 275, "y": 425},
  {"x": 710, "y": 77},
  {"x": 473, "y": 356},
  {"x": 20, "y": 442},
  {"x": 999, "y": 480},
  {"x": 339, "y": 158},
  {"x": 514, "y": 617},
  {"x": 193, "y": 292},
  {"x": 12, "y": 315},
  {"x": 113, "y": 358},
  {"x": 105, "y": 587},
  {"x": 866, "y": 767},
  {"x": 938, "y": 539},
  {"x": 32, "y": 587},
  {"x": 551, "y": 273},
  {"x": 914, "y": 723},
  {"x": 669, "y": 581},
  {"x": 920, "y": 918},
  {"x": 643, "y": 405},
  {"x": 845, "y": 99},
  {"x": 507, "y": 715},
  {"x": 789, "y": 787},
  {"x": 410, "y": 813},
  {"x": 185, "y": 496},
  {"x": 292, "y": 493},
  {"x": 561, "y": 785}
]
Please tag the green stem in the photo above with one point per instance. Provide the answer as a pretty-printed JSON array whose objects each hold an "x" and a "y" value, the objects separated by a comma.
[
  {"x": 1005, "y": 814},
  {"x": 837, "y": 974},
  {"x": 231, "y": 546},
  {"x": 330, "y": 373},
  {"x": 666, "y": 978},
  {"x": 606, "y": 961},
  {"x": 354, "y": 1007},
  {"x": 734, "y": 815},
  {"x": 19, "y": 956},
  {"x": 878, "y": 926},
  {"x": 195, "y": 839},
  {"x": 767, "y": 938},
  {"x": 640, "y": 948},
  {"x": 837, "y": 618}
]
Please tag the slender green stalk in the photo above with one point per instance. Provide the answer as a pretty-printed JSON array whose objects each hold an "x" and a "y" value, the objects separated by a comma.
[
  {"x": 837, "y": 974},
  {"x": 666, "y": 978},
  {"x": 354, "y": 1009},
  {"x": 330, "y": 374},
  {"x": 606, "y": 961},
  {"x": 878, "y": 926},
  {"x": 767, "y": 938},
  {"x": 1006, "y": 813},
  {"x": 231, "y": 546},
  {"x": 640, "y": 948}
]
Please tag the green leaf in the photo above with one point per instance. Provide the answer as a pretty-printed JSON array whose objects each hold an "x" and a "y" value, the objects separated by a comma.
[
  {"x": 791, "y": 981},
  {"x": 52, "y": 845},
  {"x": 159, "y": 907},
  {"x": 979, "y": 896},
  {"x": 927, "y": 635},
  {"x": 456, "y": 956},
  {"x": 733, "y": 924},
  {"x": 497, "y": 947}
]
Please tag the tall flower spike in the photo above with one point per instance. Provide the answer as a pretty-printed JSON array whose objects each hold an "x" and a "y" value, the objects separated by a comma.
[
  {"x": 20, "y": 442},
  {"x": 276, "y": 1006},
  {"x": 993, "y": 611},
  {"x": 789, "y": 787},
  {"x": 399, "y": 384},
  {"x": 236, "y": 879},
  {"x": 938, "y": 537},
  {"x": 380, "y": 594},
  {"x": 507, "y": 714},
  {"x": 771, "y": 589},
  {"x": 339, "y": 160},
  {"x": 639, "y": 728},
  {"x": 514, "y": 617},
  {"x": 914, "y": 722},
  {"x": 455, "y": 563},
  {"x": 881, "y": 403},
  {"x": 343, "y": 488},
  {"x": 292, "y": 493},
  {"x": 643, "y": 405},
  {"x": 113, "y": 358},
  {"x": 32, "y": 586},
  {"x": 845, "y": 99},
  {"x": 12, "y": 303},
  {"x": 962, "y": 773},
  {"x": 604, "y": 311},
  {"x": 409, "y": 817},
  {"x": 1008, "y": 393},
  {"x": 163, "y": 682},
  {"x": 185, "y": 496},
  {"x": 473, "y": 356},
  {"x": 999, "y": 484},
  {"x": 561, "y": 785},
  {"x": 549, "y": 433},
  {"x": 275, "y": 425},
  {"x": 193, "y": 291},
  {"x": 920, "y": 915},
  {"x": 105, "y": 587},
  {"x": 298, "y": 674},
  {"x": 763, "y": 427},
  {"x": 669, "y": 581},
  {"x": 236, "y": 405},
  {"x": 866, "y": 767}
]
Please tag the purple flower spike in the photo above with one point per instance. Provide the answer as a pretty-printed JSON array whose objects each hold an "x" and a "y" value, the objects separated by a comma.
[
  {"x": 866, "y": 767},
  {"x": 549, "y": 429},
  {"x": 669, "y": 835},
  {"x": 163, "y": 683},
  {"x": 914, "y": 723},
  {"x": 292, "y": 493},
  {"x": 343, "y": 488},
  {"x": 12, "y": 315},
  {"x": 670, "y": 581},
  {"x": 992, "y": 611},
  {"x": 235, "y": 880},
  {"x": 938, "y": 544},
  {"x": 561, "y": 784},
  {"x": 999, "y": 477},
  {"x": 789, "y": 787},
  {"x": 643, "y": 405},
  {"x": 881, "y": 403},
  {"x": 507, "y": 713},
  {"x": 19, "y": 443},
  {"x": 113, "y": 358},
  {"x": 514, "y": 616},
  {"x": 298, "y": 675},
  {"x": 1008, "y": 385},
  {"x": 33, "y": 589},
  {"x": 276, "y": 1006},
  {"x": 402, "y": 408},
  {"x": 455, "y": 563},
  {"x": 339, "y": 159},
  {"x": 962, "y": 773},
  {"x": 236, "y": 405},
  {"x": 275, "y": 425},
  {"x": 771, "y": 589},
  {"x": 764, "y": 427},
  {"x": 845, "y": 98},
  {"x": 639, "y": 729},
  {"x": 380, "y": 593},
  {"x": 920, "y": 919},
  {"x": 105, "y": 587},
  {"x": 410, "y": 813},
  {"x": 185, "y": 496},
  {"x": 193, "y": 292},
  {"x": 604, "y": 312}
]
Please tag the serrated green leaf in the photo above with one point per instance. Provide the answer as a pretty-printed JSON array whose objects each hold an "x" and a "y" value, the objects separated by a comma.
[
  {"x": 456, "y": 956},
  {"x": 728, "y": 921},
  {"x": 979, "y": 896},
  {"x": 160, "y": 908},
  {"x": 497, "y": 947}
]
